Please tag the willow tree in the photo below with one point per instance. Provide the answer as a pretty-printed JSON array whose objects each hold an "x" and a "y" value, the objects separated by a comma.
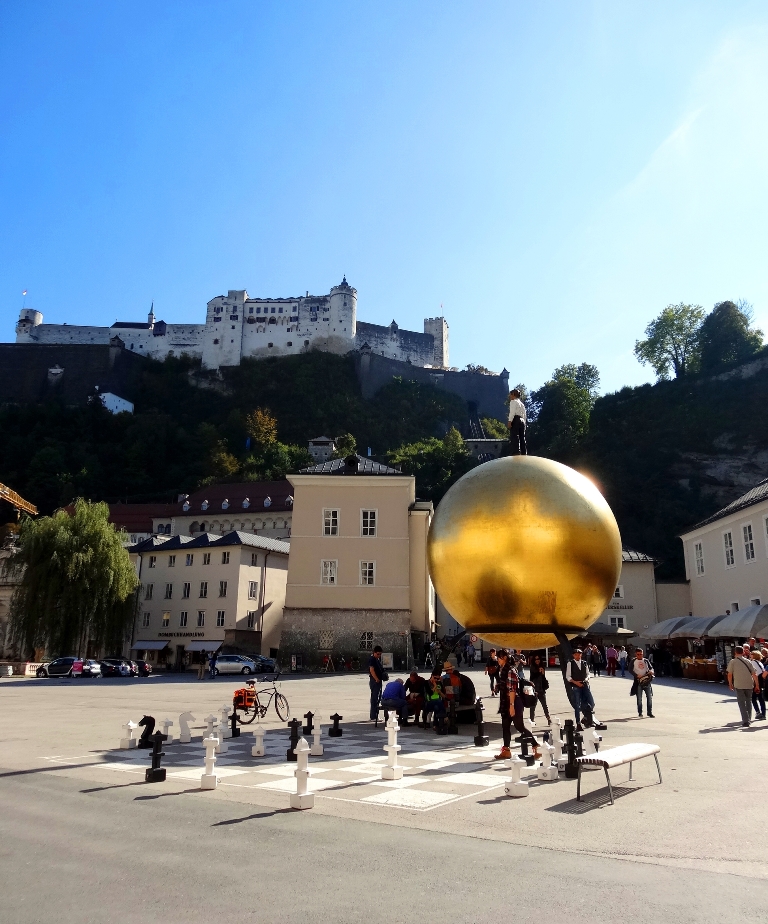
[{"x": 76, "y": 583}]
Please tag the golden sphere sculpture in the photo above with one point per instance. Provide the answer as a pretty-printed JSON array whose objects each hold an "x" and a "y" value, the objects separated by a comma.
[{"x": 523, "y": 546}]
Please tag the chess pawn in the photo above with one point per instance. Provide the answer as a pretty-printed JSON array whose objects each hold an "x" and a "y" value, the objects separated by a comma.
[
  {"x": 392, "y": 770},
  {"x": 210, "y": 727},
  {"x": 302, "y": 798},
  {"x": 223, "y": 746},
  {"x": 129, "y": 741},
  {"x": 317, "y": 747},
  {"x": 224, "y": 724},
  {"x": 258, "y": 736},
  {"x": 515, "y": 787},
  {"x": 209, "y": 780},
  {"x": 547, "y": 772},
  {"x": 166, "y": 723},
  {"x": 184, "y": 719}
]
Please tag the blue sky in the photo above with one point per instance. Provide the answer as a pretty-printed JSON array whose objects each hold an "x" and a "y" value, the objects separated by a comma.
[{"x": 553, "y": 174}]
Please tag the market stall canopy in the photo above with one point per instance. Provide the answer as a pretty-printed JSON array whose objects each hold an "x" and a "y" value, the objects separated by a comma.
[
  {"x": 698, "y": 627},
  {"x": 209, "y": 646},
  {"x": 743, "y": 624},
  {"x": 663, "y": 629},
  {"x": 603, "y": 630},
  {"x": 151, "y": 645}
]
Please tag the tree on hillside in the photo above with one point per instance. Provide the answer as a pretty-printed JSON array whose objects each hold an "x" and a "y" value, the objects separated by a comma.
[
  {"x": 494, "y": 429},
  {"x": 672, "y": 339},
  {"x": 560, "y": 409},
  {"x": 437, "y": 464},
  {"x": 482, "y": 370},
  {"x": 726, "y": 337},
  {"x": 77, "y": 584},
  {"x": 346, "y": 445},
  {"x": 261, "y": 426}
]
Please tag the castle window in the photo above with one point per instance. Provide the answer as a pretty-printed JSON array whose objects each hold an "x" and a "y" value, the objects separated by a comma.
[
  {"x": 290, "y": 342},
  {"x": 217, "y": 319},
  {"x": 250, "y": 310},
  {"x": 258, "y": 309},
  {"x": 273, "y": 309},
  {"x": 233, "y": 317},
  {"x": 217, "y": 339},
  {"x": 306, "y": 343},
  {"x": 270, "y": 344},
  {"x": 281, "y": 309}
]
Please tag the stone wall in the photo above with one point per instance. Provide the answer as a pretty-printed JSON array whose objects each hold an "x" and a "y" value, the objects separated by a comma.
[{"x": 393, "y": 343}]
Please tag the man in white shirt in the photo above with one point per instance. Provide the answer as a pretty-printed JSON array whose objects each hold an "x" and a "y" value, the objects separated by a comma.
[
  {"x": 643, "y": 674},
  {"x": 516, "y": 424}
]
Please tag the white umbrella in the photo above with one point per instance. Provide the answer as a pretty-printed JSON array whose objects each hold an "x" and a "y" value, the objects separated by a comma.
[
  {"x": 663, "y": 629},
  {"x": 699, "y": 627},
  {"x": 743, "y": 624}
]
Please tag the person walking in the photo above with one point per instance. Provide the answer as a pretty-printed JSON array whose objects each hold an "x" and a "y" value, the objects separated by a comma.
[
  {"x": 612, "y": 655},
  {"x": 742, "y": 679},
  {"x": 376, "y": 676},
  {"x": 511, "y": 706},
  {"x": 643, "y": 673},
  {"x": 471, "y": 653},
  {"x": 516, "y": 424},
  {"x": 539, "y": 682},
  {"x": 623, "y": 656},
  {"x": 492, "y": 669},
  {"x": 758, "y": 697},
  {"x": 212, "y": 665},
  {"x": 201, "y": 666}
]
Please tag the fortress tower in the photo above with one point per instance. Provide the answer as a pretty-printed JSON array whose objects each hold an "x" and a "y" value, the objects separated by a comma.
[
  {"x": 438, "y": 327},
  {"x": 344, "y": 308},
  {"x": 29, "y": 319}
]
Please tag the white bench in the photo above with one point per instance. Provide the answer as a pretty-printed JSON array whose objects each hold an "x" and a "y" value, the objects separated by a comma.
[{"x": 616, "y": 757}]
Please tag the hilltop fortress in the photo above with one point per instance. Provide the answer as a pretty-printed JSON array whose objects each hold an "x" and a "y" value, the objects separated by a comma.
[{"x": 238, "y": 326}]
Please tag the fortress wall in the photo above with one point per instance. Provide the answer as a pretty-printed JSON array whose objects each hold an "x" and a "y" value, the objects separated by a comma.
[
  {"x": 391, "y": 342},
  {"x": 66, "y": 333}
]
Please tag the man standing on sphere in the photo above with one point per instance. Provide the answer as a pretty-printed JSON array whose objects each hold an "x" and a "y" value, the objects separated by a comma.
[{"x": 516, "y": 425}]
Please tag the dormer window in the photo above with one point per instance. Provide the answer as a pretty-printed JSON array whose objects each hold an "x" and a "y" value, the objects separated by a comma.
[
  {"x": 246, "y": 503},
  {"x": 225, "y": 504},
  {"x": 267, "y": 501},
  {"x": 204, "y": 505},
  {"x": 289, "y": 501},
  {"x": 185, "y": 506}
]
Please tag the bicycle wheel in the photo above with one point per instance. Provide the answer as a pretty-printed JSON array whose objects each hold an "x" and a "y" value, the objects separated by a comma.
[
  {"x": 245, "y": 716},
  {"x": 282, "y": 708}
]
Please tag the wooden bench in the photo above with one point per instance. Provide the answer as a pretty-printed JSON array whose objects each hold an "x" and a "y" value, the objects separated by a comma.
[{"x": 617, "y": 757}]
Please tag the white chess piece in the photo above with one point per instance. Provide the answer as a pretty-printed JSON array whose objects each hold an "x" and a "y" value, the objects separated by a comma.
[
  {"x": 210, "y": 727},
  {"x": 166, "y": 723},
  {"x": 129, "y": 741},
  {"x": 547, "y": 772},
  {"x": 515, "y": 787},
  {"x": 223, "y": 745},
  {"x": 225, "y": 710},
  {"x": 590, "y": 741},
  {"x": 302, "y": 798},
  {"x": 258, "y": 736},
  {"x": 317, "y": 746},
  {"x": 184, "y": 735},
  {"x": 209, "y": 779},
  {"x": 392, "y": 770}
]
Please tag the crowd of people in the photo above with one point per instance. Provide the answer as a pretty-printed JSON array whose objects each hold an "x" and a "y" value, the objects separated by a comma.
[{"x": 747, "y": 674}]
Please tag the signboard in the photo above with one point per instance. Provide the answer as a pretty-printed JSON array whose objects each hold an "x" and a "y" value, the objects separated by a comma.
[{"x": 387, "y": 661}]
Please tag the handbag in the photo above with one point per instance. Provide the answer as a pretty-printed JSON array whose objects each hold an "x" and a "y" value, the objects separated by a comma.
[{"x": 528, "y": 695}]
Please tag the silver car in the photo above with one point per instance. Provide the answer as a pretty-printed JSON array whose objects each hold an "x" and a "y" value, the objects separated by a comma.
[{"x": 235, "y": 664}]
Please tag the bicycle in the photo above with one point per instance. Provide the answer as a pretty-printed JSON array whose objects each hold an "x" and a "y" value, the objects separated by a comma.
[{"x": 248, "y": 701}]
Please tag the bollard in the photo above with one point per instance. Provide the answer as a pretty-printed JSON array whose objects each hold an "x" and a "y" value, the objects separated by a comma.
[
  {"x": 129, "y": 741},
  {"x": 337, "y": 731},
  {"x": 481, "y": 739},
  {"x": 258, "y": 748},
  {"x": 302, "y": 798},
  {"x": 156, "y": 773},
  {"x": 515, "y": 787},
  {"x": 392, "y": 770},
  {"x": 308, "y": 726},
  {"x": 294, "y": 726},
  {"x": 208, "y": 780}
]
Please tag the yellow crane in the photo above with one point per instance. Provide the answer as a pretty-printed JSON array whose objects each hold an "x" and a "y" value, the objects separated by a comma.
[{"x": 16, "y": 500}]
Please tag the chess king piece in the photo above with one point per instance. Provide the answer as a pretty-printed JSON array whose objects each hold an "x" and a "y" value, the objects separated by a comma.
[
  {"x": 515, "y": 787},
  {"x": 208, "y": 780},
  {"x": 317, "y": 746},
  {"x": 129, "y": 740},
  {"x": 302, "y": 798},
  {"x": 184, "y": 735},
  {"x": 392, "y": 770}
]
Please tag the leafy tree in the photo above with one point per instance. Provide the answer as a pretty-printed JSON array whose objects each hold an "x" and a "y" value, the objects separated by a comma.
[
  {"x": 672, "y": 339},
  {"x": 560, "y": 409},
  {"x": 585, "y": 376},
  {"x": 435, "y": 463},
  {"x": 77, "y": 584},
  {"x": 494, "y": 429},
  {"x": 483, "y": 370},
  {"x": 346, "y": 445},
  {"x": 261, "y": 426},
  {"x": 727, "y": 338}
]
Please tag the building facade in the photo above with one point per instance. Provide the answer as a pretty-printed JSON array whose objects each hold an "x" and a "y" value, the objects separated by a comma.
[
  {"x": 237, "y": 326},
  {"x": 204, "y": 593},
  {"x": 358, "y": 567},
  {"x": 726, "y": 556}
]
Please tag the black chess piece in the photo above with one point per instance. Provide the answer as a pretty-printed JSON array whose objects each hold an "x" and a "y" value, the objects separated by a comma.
[
  {"x": 453, "y": 728},
  {"x": 233, "y": 725},
  {"x": 571, "y": 767},
  {"x": 481, "y": 739},
  {"x": 149, "y": 726},
  {"x": 156, "y": 773},
  {"x": 294, "y": 726},
  {"x": 308, "y": 727},
  {"x": 336, "y": 731}
]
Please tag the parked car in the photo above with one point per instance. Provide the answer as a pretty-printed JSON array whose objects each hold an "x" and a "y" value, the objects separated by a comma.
[
  {"x": 235, "y": 664},
  {"x": 62, "y": 667},
  {"x": 143, "y": 668},
  {"x": 265, "y": 665},
  {"x": 91, "y": 668},
  {"x": 115, "y": 667}
]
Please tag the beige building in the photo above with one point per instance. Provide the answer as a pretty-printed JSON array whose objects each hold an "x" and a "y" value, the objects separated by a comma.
[
  {"x": 8, "y": 583},
  {"x": 358, "y": 566},
  {"x": 726, "y": 556},
  {"x": 212, "y": 591}
]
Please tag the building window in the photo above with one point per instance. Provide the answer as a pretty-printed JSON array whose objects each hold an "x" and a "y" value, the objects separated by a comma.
[
  {"x": 330, "y": 522},
  {"x": 225, "y": 558},
  {"x": 734, "y": 606},
  {"x": 618, "y": 594},
  {"x": 152, "y": 561},
  {"x": 185, "y": 591},
  {"x": 253, "y": 588},
  {"x": 200, "y": 619},
  {"x": 168, "y": 591},
  {"x": 149, "y": 591},
  {"x": 145, "y": 621},
  {"x": 698, "y": 553},
  {"x": 171, "y": 561},
  {"x": 728, "y": 544},
  {"x": 617, "y": 622},
  {"x": 755, "y": 601},
  {"x": 206, "y": 558},
  {"x": 366, "y": 641},
  {"x": 166, "y": 619},
  {"x": 749, "y": 543},
  {"x": 328, "y": 571},
  {"x": 183, "y": 619},
  {"x": 190, "y": 560},
  {"x": 369, "y": 522},
  {"x": 254, "y": 558},
  {"x": 326, "y": 640},
  {"x": 222, "y": 588},
  {"x": 220, "y": 619},
  {"x": 367, "y": 572},
  {"x": 203, "y": 588}
]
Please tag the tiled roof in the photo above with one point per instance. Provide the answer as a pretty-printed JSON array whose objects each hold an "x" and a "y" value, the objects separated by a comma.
[
  {"x": 137, "y": 518},
  {"x": 210, "y": 539},
  {"x": 753, "y": 496},
  {"x": 628, "y": 554},
  {"x": 279, "y": 493},
  {"x": 363, "y": 466}
]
